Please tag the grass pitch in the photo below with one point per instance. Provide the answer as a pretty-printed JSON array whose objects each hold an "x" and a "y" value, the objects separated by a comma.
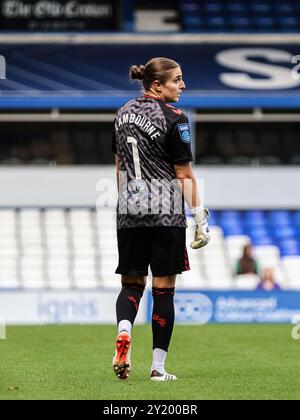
[{"x": 211, "y": 362}]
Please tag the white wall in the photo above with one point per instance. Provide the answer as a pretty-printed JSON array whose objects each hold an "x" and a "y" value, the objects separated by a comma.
[{"x": 241, "y": 187}]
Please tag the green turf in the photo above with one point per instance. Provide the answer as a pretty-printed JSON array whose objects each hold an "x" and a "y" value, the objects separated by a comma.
[{"x": 211, "y": 362}]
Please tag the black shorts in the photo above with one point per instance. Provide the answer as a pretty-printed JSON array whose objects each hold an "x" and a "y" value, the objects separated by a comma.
[{"x": 163, "y": 248}]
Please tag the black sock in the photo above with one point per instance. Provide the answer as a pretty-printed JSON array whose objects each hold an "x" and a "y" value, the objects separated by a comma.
[
  {"x": 163, "y": 317},
  {"x": 128, "y": 302}
]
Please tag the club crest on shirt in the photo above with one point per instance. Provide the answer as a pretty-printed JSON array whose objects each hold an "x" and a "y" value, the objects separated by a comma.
[{"x": 185, "y": 135}]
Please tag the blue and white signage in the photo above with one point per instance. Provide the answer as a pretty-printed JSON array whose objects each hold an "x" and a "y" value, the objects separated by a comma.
[
  {"x": 234, "y": 307},
  {"x": 96, "y": 76}
]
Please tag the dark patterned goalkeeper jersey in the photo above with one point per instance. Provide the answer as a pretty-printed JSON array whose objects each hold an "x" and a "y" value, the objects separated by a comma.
[{"x": 150, "y": 137}]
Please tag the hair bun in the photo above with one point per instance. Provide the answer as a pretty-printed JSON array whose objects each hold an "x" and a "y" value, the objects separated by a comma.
[{"x": 137, "y": 72}]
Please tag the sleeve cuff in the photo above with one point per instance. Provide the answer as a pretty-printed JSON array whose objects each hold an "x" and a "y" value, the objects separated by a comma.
[{"x": 186, "y": 160}]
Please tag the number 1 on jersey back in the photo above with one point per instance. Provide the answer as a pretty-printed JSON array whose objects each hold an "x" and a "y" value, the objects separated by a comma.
[{"x": 136, "y": 157}]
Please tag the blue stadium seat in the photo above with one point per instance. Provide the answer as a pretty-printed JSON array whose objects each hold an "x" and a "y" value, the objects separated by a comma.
[
  {"x": 261, "y": 7},
  {"x": 216, "y": 15},
  {"x": 289, "y": 247},
  {"x": 230, "y": 217},
  {"x": 281, "y": 8},
  {"x": 217, "y": 23},
  {"x": 193, "y": 20},
  {"x": 240, "y": 23},
  {"x": 232, "y": 214},
  {"x": 214, "y": 7},
  {"x": 264, "y": 24},
  {"x": 237, "y": 6},
  {"x": 231, "y": 222},
  {"x": 243, "y": 15},
  {"x": 297, "y": 218},
  {"x": 230, "y": 228},
  {"x": 262, "y": 241},
  {"x": 255, "y": 218},
  {"x": 280, "y": 218},
  {"x": 258, "y": 233},
  {"x": 297, "y": 232},
  {"x": 289, "y": 23},
  {"x": 284, "y": 232},
  {"x": 259, "y": 230},
  {"x": 189, "y": 6},
  {"x": 233, "y": 230}
]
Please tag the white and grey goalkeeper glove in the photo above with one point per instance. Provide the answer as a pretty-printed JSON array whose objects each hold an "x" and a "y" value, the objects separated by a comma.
[{"x": 202, "y": 236}]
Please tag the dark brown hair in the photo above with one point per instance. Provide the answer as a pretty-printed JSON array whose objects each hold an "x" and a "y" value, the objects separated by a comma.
[{"x": 155, "y": 69}]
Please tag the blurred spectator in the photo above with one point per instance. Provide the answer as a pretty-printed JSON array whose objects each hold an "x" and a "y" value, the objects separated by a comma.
[
  {"x": 247, "y": 264},
  {"x": 268, "y": 282}
]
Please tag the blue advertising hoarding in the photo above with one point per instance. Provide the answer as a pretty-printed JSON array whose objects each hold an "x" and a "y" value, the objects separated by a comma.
[
  {"x": 96, "y": 76},
  {"x": 195, "y": 307}
]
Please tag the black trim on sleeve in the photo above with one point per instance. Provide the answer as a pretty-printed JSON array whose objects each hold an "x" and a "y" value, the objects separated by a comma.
[{"x": 179, "y": 161}]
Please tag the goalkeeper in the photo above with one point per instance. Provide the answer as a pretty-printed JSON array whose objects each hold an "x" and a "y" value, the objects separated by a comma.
[{"x": 151, "y": 141}]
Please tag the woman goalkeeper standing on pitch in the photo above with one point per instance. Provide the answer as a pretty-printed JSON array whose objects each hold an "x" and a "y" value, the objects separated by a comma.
[{"x": 152, "y": 148}]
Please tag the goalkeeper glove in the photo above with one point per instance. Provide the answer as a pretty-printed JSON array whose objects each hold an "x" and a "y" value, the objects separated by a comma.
[{"x": 202, "y": 236}]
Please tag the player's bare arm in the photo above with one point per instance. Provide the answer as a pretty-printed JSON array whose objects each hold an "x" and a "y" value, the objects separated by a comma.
[{"x": 188, "y": 185}]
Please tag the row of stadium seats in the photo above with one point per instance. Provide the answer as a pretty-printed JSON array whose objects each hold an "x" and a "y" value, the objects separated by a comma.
[
  {"x": 217, "y": 143},
  {"x": 50, "y": 248},
  {"x": 240, "y": 15},
  {"x": 225, "y": 143},
  {"x": 232, "y": 231},
  {"x": 77, "y": 248},
  {"x": 278, "y": 228},
  {"x": 55, "y": 146},
  {"x": 246, "y": 160}
]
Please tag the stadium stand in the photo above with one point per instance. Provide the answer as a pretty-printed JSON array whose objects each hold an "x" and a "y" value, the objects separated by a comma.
[
  {"x": 57, "y": 144},
  {"x": 55, "y": 248},
  {"x": 67, "y": 94},
  {"x": 238, "y": 16}
]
